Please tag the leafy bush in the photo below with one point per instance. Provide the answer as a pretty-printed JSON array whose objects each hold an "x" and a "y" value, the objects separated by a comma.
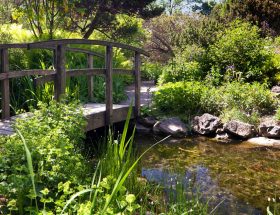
[
  {"x": 187, "y": 65},
  {"x": 250, "y": 98},
  {"x": 181, "y": 71},
  {"x": 53, "y": 135},
  {"x": 180, "y": 97},
  {"x": 151, "y": 71},
  {"x": 277, "y": 114},
  {"x": 241, "y": 54},
  {"x": 196, "y": 97}
]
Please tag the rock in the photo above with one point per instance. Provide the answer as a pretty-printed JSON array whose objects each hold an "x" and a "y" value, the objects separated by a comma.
[
  {"x": 206, "y": 124},
  {"x": 149, "y": 121},
  {"x": 276, "y": 90},
  {"x": 143, "y": 129},
  {"x": 220, "y": 131},
  {"x": 264, "y": 141},
  {"x": 240, "y": 129},
  {"x": 223, "y": 137},
  {"x": 269, "y": 130},
  {"x": 171, "y": 126}
]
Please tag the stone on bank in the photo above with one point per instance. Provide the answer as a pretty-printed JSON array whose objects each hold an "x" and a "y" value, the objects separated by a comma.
[{"x": 171, "y": 126}]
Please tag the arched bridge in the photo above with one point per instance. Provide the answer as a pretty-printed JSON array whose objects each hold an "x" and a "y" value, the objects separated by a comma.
[{"x": 98, "y": 115}]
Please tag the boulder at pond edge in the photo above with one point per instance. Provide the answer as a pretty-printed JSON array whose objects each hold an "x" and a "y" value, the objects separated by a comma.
[
  {"x": 171, "y": 126},
  {"x": 206, "y": 124},
  {"x": 240, "y": 129}
]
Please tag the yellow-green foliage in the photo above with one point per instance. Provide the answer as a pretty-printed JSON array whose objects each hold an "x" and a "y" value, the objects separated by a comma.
[
  {"x": 53, "y": 135},
  {"x": 15, "y": 33},
  {"x": 198, "y": 97}
]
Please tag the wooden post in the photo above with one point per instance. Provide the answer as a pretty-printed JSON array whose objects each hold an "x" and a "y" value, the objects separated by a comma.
[
  {"x": 5, "y": 85},
  {"x": 109, "y": 85},
  {"x": 60, "y": 80},
  {"x": 90, "y": 78},
  {"x": 137, "y": 64}
]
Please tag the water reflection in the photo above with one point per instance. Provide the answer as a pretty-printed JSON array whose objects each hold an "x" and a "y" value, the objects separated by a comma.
[
  {"x": 239, "y": 176},
  {"x": 198, "y": 180}
]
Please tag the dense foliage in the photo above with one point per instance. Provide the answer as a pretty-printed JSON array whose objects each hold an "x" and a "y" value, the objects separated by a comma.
[
  {"x": 264, "y": 13},
  {"x": 241, "y": 54},
  {"x": 229, "y": 101},
  {"x": 53, "y": 135}
]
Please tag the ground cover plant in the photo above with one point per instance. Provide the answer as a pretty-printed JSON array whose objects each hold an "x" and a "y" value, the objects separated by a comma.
[{"x": 43, "y": 170}]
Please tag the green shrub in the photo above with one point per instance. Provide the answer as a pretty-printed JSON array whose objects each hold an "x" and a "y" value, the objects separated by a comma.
[
  {"x": 180, "y": 97},
  {"x": 184, "y": 71},
  {"x": 53, "y": 135},
  {"x": 151, "y": 71},
  {"x": 241, "y": 54},
  {"x": 185, "y": 66},
  {"x": 247, "y": 97},
  {"x": 250, "y": 100}
]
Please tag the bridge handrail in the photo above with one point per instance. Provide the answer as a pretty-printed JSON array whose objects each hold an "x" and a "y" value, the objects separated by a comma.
[
  {"x": 53, "y": 43},
  {"x": 59, "y": 73}
]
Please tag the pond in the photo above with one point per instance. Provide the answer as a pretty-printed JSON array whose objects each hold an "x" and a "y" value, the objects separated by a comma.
[{"x": 239, "y": 178}]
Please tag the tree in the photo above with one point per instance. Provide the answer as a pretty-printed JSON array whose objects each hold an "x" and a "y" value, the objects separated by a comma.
[
  {"x": 43, "y": 16},
  {"x": 202, "y": 6},
  {"x": 171, "y": 33},
  {"x": 6, "y": 8},
  {"x": 173, "y": 6},
  {"x": 90, "y": 15},
  {"x": 264, "y": 13}
]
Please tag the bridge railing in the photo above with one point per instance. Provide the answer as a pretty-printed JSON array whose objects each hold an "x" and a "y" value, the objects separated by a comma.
[{"x": 59, "y": 73}]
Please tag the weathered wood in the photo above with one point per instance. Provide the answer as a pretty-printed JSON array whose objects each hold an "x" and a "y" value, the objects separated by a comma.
[
  {"x": 85, "y": 51},
  {"x": 87, "y": 72},
  {"x": 83, "y": 41},
  {"x": 59, "y": 74},
  {"x": 109, "y": 84},
  {"x": 97, "y": 119},
  {"x": 5, "y": 85},
  {"x": 123, "y": 72},
  {"x": 22, "y": 73},
  {"x": 60, "y": 80},
  {"x": 49, "y": 73},
  {"x": 14, "y": 45},
  {"x": 90, "y": 78},
  {"x": 137, "y": 64},
  {"x": 94, "y": 113}
]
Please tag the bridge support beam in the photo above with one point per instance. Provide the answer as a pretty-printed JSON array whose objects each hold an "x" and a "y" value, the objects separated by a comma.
[
  {"x": 137, "y": 64},
  {"x": 60, "y": 80},
  {"x": 90, "y": 78},
  {"x": 5, "y": 85},
  {"x": 109, "y": 85}
]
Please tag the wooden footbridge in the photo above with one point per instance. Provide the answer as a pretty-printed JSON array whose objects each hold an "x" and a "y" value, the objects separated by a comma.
[{"x": 98, "y": 115}]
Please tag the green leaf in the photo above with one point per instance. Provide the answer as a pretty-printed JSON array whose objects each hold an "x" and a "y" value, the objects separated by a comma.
[{"x": 130, "y": 198}]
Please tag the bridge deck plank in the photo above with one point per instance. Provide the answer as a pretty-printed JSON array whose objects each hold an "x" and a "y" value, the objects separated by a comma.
[{"x": 94, "y": 113}]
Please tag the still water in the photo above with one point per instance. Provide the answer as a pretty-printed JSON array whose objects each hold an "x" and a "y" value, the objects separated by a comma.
[{"x": 238, "y": 177}]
